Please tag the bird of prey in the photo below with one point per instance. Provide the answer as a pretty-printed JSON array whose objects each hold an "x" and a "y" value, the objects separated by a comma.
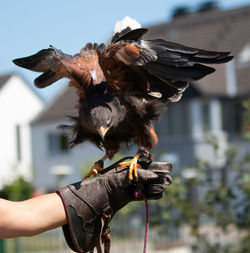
[{"x": 123, "y": 86}]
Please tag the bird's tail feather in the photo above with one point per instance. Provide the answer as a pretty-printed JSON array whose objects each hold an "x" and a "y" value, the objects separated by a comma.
[
  {"x": 127, "y": 29},
  {"x": 129, "y": 34}
]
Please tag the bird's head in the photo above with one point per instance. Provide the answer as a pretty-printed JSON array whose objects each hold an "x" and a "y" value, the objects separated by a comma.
[{"x": 101, "y": 120}]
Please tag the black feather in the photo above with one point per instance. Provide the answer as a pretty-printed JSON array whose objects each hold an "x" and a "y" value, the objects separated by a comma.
[
  {"x": 39, "y": 62},
  {"x": 46, "y": 79},
  {"x": 196, "y": 72},
  {"x": 46, "y": 61},
  {"x": 128, "y": 34},
  {"x": 176, "y": 54}
]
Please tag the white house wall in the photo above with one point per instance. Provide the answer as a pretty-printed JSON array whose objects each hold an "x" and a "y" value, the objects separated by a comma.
[
  {"x": 18, "y": 106},
  {"x": 43, "y": 161}
]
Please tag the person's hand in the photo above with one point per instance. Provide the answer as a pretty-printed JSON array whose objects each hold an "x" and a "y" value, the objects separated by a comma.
[
  {"x": 151, "y": 182},
  {"x": 90, "y": 204}
]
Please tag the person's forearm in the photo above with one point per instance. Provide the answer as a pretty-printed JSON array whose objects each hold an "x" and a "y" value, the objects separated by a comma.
[{"x": 31, "y": 217}]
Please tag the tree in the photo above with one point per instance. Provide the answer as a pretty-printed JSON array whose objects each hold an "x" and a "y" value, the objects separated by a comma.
[
  {"x": 224, "y": 203},
  {"x": 20, "y": 189}
]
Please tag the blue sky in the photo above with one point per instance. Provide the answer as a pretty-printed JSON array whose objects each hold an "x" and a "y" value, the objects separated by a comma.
[{"x": 30, "y": 25}]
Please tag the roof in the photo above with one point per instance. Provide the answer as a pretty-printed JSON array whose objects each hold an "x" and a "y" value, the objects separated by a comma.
[
  {"x": 4, "y": 79},
  {"x": 64, "y": 104},
  {"x": 215, "y": 30},
  {"x": 211, "y": 30}
]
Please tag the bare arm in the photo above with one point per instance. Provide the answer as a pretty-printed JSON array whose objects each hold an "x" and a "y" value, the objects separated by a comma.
[{"x": 31, "y": 217}]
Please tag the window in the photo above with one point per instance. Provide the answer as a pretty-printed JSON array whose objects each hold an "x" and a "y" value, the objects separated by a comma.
[
  {"x": 184, "y": 118},
  {"x": 233, "y": 117},
  {"x": 206, "y": 117},
  {"x": 18, "y": 142},
  {"x": 57, "y": 143},
  {"x": 165, "y": 125},
  {"x": 175, "y": 121}
]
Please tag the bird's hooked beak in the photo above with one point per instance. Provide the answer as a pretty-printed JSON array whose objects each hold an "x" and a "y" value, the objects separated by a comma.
[{"x": 102, "y": 131}]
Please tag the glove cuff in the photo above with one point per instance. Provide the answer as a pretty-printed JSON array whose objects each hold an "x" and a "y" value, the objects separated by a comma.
[{"x": 85, "y": 221}]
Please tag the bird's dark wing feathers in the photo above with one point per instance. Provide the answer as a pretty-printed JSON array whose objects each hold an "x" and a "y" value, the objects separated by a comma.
[
  {"x": 177, "y": 65},
  {"x": 43, "y": 61},
  {"x": 82, "y": 68},
  {"x": 186, "y": 54},
  {"x": 168, "y": 66},
  {"x": 128, "y": 34},
  {"x": 157, "y": 67}
]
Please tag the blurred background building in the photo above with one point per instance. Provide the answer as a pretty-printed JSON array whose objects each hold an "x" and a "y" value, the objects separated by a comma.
[
  {"x": 19, "y": 104},
  {"x": 210, "y": 106},
  {"x": 199, "y": 127}
]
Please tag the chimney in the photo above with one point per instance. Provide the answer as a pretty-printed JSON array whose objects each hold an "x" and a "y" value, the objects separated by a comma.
[
  {"x": 207, "y": 6},
  {"x": 180, "y": 11}
]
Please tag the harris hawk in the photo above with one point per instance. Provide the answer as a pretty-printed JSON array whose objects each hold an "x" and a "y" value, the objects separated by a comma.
[{"x": 123, "y": 86}]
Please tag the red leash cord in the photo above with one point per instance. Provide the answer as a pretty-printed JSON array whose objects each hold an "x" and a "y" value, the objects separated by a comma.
[{"x": 139, "y": 194}]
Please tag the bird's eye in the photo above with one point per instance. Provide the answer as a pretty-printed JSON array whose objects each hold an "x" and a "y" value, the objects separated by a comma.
[{"x": 108, "y": 121}]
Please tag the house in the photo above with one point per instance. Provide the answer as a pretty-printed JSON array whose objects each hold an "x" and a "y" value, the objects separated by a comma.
[
  {"x": 16, "y": 98},
  {"x": 210, "y": 107}
]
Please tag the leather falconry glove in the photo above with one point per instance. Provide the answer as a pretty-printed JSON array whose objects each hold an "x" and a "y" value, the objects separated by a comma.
[{"x": 90, "y": 204}]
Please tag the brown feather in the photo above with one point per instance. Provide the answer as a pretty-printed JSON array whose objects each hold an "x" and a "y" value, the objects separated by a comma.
[
  {"x": 127, "y": 53},
  {"x": 147, "y": 137},
  {"x": 82, "y": 69},
  {"x": 114, "y": 61}
]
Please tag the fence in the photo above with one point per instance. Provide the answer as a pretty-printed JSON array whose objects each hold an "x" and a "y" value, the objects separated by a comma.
[
  {"x": 48, "y": 242},
  {"x": 124, "y": 240}
]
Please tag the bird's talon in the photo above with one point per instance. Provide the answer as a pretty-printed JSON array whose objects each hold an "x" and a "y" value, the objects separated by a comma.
[
  {"x": 133, "y": 166},
  {"x": 93, "y": 172},
  {"x": 124, "y": 164}
]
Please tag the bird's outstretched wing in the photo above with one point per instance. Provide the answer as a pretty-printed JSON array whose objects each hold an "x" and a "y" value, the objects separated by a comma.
[
  {"x": 82, "y": 68},
  {"x": 156, "y": 67}
]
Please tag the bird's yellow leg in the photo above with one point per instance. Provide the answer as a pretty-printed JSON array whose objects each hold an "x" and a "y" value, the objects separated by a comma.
[
  {"x": 96, "y": 168},
  {"x": 133, "y": 165}
]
